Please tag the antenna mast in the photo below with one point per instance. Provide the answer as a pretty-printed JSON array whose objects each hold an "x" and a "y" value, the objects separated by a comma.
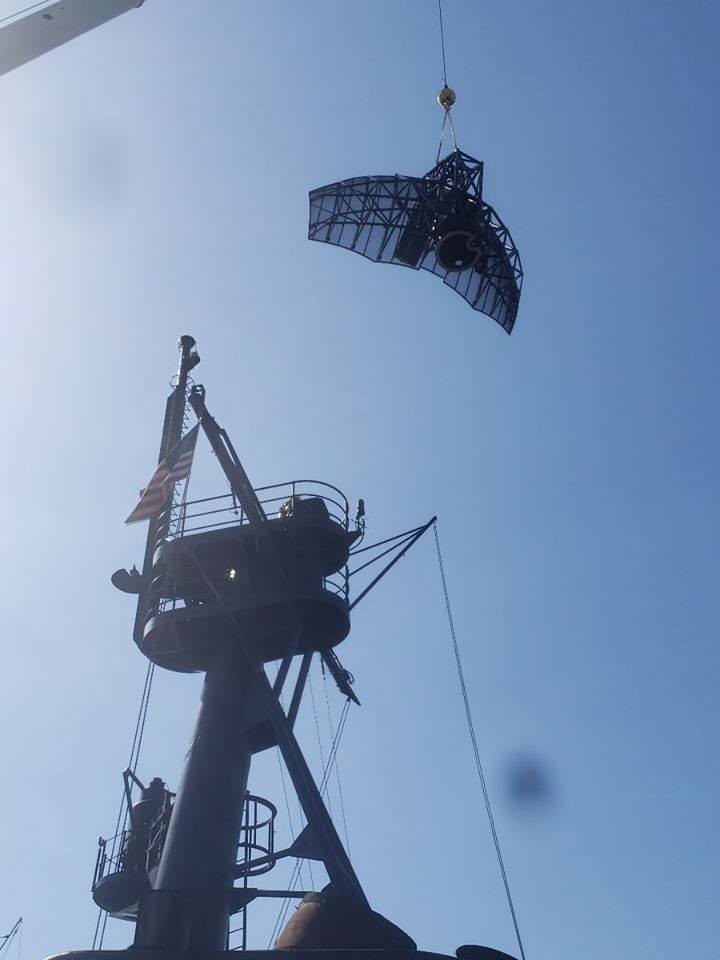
[{"x": 224, "y": 602}]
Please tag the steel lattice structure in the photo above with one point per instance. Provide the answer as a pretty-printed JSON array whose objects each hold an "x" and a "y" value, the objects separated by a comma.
[{"x": 438, "y": 222}]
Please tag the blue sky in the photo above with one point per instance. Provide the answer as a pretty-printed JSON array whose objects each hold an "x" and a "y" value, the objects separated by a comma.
[{"x": 155, "y": 183}]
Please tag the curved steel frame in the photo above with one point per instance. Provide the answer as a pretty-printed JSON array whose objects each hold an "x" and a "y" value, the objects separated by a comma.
[{"x": 394, "y": 219}]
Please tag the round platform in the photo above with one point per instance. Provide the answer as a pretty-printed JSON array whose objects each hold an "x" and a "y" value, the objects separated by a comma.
[{"x": 185, "y": 639}]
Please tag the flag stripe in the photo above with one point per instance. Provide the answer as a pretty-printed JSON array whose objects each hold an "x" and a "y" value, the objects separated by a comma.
[{"x": 176, "y": 466}]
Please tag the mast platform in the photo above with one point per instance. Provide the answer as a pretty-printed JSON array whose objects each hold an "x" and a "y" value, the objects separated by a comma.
[{"x": 212, "y": 544}]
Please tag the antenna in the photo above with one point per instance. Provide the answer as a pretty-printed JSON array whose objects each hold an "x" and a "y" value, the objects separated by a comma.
[{"x": 439, "y": 223}]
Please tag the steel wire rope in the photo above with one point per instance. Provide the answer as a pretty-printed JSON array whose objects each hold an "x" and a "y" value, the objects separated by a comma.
[
  {"x": 19, "y": 13},
  {"x": 287, "y": 807},
  {"x": 333, "y": 751},
  {"x": 287, "y": 802},
  {"x": 395, "y": 546},
  {"x": 447, "y": 119},
  {"x": 101, "y": 924},
  {"x": 296, "y": 874},
  {"x": 473, "y": 740},
  {"x": 442, "y": 42},
  {"x": 139, "y": 733},
  {"x": 335, "y": 745},
  {"x": 317, "y": 734},
  {"x": 285, "y": 905},
  {"x": 297, "y": 800},
  {"x": 381, "y": 543},
  {"x": 292, "y": 829},
  {"x": 337, "y": 765}
]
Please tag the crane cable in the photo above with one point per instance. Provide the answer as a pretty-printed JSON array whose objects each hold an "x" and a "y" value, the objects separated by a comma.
[
  {"x": 442, "y": 43},
  {"x": 446, "y": 97},
  {"x": 473, "y": 740}
]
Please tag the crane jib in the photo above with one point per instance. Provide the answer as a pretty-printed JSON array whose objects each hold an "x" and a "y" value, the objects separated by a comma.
[{"x": 51, "y": 26}]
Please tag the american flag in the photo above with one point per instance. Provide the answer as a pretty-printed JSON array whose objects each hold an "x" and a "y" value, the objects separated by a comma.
[{"x": 176, "y": 466}]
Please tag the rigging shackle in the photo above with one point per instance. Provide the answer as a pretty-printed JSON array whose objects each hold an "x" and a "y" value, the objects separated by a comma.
[{"x": 446, "y": 98}]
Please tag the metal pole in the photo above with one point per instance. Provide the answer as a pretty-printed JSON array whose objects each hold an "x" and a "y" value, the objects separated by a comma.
[
  {"x": 199, "y": 858},
  {"x": 159, "y": 526},
  {"x": 171, "y": 434},
  {"x": 229, "y": 461},
  {"x": 392, "y": 563}
]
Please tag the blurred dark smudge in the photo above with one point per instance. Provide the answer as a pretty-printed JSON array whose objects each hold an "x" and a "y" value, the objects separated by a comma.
[
  {"x": 86, "y": 170},
  {"x": 528, "y": 784}
]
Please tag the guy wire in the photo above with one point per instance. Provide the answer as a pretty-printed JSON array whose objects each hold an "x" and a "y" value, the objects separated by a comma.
[
  {"x": 473, "y": 740},
  {"x": 332, "y": 756}
]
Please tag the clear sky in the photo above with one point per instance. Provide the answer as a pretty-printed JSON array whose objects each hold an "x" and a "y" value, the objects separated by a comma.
[{"x": 155, "y": 177}]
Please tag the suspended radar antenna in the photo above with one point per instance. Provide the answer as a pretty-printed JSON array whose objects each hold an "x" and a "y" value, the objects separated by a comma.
[{"x": 439, "y": 222}]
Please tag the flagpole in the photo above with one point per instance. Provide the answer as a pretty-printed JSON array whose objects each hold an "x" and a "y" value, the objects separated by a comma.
[{"x": 159, "y": 526}]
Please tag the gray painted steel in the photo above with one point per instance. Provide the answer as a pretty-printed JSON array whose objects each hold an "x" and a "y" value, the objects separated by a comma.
[{"x": 50, "y": 27}]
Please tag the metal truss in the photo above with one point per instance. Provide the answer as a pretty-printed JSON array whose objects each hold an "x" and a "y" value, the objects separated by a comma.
[{"x": 400, "y": 220}]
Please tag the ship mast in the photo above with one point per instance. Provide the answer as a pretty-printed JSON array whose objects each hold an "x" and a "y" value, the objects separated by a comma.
[{"x": 225, "y": 603}]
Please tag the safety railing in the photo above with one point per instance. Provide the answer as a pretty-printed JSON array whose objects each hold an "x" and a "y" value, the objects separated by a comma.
[
  {"x": 225, "y": 511},
  {"x": 109, "y": 856},
  {"x": 257, "y": 834},
  {"x": 196, "y": 516}
]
